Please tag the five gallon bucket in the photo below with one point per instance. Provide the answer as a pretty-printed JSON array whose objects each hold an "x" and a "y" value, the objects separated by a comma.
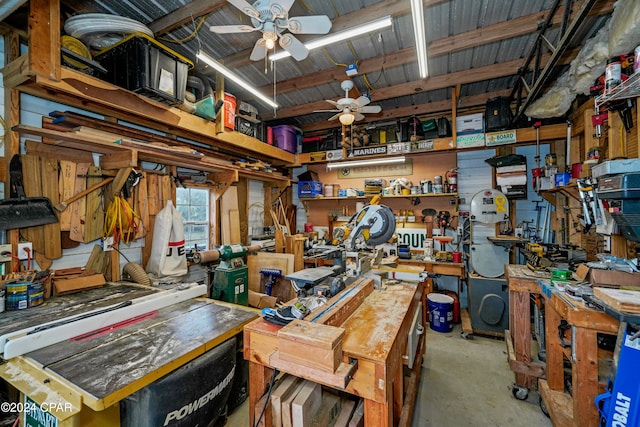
[
  {"x": 440, "y": 312},
  {"x": 229, "y": 110}
]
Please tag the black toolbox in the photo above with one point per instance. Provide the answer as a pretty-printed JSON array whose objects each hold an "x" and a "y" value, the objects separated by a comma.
[{"x": 141, "y": 64}]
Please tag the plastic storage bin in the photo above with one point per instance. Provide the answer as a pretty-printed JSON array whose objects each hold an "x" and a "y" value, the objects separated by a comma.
[
  {"x": 285, "y": 138},
  {"x": 142, "y": 65}
]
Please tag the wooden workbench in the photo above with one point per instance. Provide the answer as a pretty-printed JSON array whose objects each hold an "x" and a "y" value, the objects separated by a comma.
[
  {"x": 94, "y": 372},
  {"x": 577, "y": 409},
  {"x": 375, "y": 338},
  {"x": 522, "y": 284}
]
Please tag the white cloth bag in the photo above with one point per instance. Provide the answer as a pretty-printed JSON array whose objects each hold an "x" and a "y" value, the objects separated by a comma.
[{"x": 168, "y": 259}]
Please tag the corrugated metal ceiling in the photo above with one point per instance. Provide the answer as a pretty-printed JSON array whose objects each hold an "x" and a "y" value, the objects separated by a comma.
[{"x": 444, "y": 19}]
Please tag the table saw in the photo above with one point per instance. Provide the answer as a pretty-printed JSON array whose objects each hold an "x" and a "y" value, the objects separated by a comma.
[{"x": 106, "y": 377}]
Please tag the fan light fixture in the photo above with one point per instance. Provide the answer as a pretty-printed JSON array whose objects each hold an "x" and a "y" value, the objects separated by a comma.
[
  {"x": 340, "y": 36},
  {"x": 347, "y": 118},
  {"x": 234, "y": 77},
  {"x": 417, "y": 12},
  {"x": 370, "y": 162}
]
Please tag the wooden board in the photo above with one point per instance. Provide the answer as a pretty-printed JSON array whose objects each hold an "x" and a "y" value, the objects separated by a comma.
[
  {"x": 52, "y": 241},
  {"x": 283, "y": 262},
  {"x": 284, "y": 390},
  {"x": 313, "y": 345},
  {"x": 94, "y": 219},
  {"x": 78, "y": 209},
  {"x": 234, "y": 226},
  {"x": 32, "y": 181},
  {"x": 357, "y": 420},
  {"x": 306, "y": 404},
  {"x": 345, "y": 414},
  {"x": 623, "y": 300},
  {"x": 330, "y": 408},
  {"x": 67, "y": 185},
  {"x": 229, "y": 203},
  {"x": 287, "y": 420}
]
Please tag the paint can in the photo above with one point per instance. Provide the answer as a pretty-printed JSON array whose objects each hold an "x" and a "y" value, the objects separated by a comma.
[
  {"x": 437, "y": 188},
  {"x": 36, "y": 294},
  {"x": 415, "y": 190},
  {"x": 440, "y": 312},
  {"x": 612, "y": 74},
  {"x": 456, "y": 257},
  {"x": 17, "y": 296},
  {"x": 328, "y": 190},
  {"x": 437, "y": 180}
]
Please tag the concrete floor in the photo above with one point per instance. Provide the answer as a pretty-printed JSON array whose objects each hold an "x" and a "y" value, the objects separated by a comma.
[{"x": 465, "y": 382}]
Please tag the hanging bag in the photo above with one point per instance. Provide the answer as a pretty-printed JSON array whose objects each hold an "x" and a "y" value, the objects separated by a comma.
[{"x": 168, "y": 259}]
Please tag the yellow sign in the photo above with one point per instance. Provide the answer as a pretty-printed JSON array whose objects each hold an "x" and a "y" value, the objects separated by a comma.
[{"x": 500, "y": 201}]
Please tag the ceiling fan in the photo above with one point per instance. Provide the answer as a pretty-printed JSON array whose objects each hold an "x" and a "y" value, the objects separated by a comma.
[
  {"x": 272, "y": 18},
  {"x": 348, "y": 109}
]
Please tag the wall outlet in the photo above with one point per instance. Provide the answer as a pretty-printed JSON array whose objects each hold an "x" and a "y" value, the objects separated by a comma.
[
  {"x": 107, "y": 244},
  {"x": 22, "y": 254},
  {"x": 5, "y": 248}
]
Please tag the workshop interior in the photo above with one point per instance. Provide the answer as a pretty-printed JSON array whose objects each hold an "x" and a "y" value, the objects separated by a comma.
[{"x": 261, "y": 212}]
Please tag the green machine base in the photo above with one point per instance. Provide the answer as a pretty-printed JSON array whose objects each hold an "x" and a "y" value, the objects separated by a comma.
[{"x": 230, "y": 282}]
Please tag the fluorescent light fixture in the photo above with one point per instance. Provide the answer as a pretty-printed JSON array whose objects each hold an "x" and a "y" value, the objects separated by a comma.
[
  {"x": 340, "y": 36},
  {"x": 417, "y": 12},
  {"x": 369, "y": 162},
  {"x": 233, "y": 76}
]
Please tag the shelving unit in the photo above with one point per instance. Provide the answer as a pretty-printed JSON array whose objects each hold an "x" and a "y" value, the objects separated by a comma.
[
  {"x": 401, "y": 196},
  {"x": 630, "y": 88}
]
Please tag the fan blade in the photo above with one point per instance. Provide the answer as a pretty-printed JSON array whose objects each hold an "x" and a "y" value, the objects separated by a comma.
[
  {"x": 226, "y": 29},
  {"x": 333, "y": 103},
  {"x": 259, "y": 50},
  {"x": 362, "y": 101},
  {"x": 358, "y": 116},
  {"x": 319, "y": 24},
  {"x": 327, "y": 111},
  {"x": 246, "y": 8},
  {"x": 371, "y": 109},
  {"x": 294, "y": 47},
  {"x": 335, "y": 116},
  {"x": 280, "y": 8}
]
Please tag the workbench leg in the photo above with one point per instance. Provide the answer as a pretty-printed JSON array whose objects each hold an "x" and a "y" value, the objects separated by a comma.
[
  {"x": 555, "y": 369},
  {"x": 520, "y": 328},
  {"x": 377, "y": 414},
  {"x": 259, "y": 378},
  {"x": 398, "y": 392},
  {"x": 584, "y": 383}
]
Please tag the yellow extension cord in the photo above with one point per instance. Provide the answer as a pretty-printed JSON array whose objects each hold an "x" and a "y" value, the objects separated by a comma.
[{"x": 120, "y": 220}]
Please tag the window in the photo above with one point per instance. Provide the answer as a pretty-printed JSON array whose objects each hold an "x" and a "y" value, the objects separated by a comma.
[{"x": 193, "y": 205}]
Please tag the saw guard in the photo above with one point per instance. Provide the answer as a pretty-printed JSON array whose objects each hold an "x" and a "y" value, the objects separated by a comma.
[{"x": 373, "y": 225}]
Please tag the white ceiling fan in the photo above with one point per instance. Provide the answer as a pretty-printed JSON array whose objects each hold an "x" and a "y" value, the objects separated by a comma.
[
  {"x": 272, "y": 18},
  {"x": 348, "y": 109}
]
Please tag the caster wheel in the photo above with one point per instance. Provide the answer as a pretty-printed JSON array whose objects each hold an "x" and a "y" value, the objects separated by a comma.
[
  {"x": 520, "y": 393},
  {"x": 543, "y": 407},
  {"x": 466, "y": 335}
]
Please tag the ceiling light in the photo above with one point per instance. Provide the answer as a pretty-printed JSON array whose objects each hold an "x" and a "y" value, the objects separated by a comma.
[
  {"x": 417, "y": 12},
  {"x": 340, "y": 36},
  {"x": 369, "y": 162},
  {"x": 234, "y": 77},
  {"x": 347, "y": 118}
]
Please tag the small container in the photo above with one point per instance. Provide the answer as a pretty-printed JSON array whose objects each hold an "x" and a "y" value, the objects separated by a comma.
[
  {"x": 551, "y": 159},
  {"x": 613, "y": 74}
]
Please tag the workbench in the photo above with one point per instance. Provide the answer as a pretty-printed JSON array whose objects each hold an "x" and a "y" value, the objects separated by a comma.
[
  {"x": 577, "y": 409},
  {"x": 523, "y": 283},
  {"x": 89, "y": 375},
  {"x": 375, "y": 340}
]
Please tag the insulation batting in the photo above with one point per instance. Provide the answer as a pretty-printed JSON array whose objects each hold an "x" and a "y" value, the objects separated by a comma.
[{"x": 619, "y": 36}]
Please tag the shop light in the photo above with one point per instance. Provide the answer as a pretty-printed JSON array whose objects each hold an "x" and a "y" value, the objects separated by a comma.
[
  {"x": 369, "y": 162},
  {"x": 377, "y": 24},
  {"x": 234, "y": 77},
  {"x": 417, "y": 12}
]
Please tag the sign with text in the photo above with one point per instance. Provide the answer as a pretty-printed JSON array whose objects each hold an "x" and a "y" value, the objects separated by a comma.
[
  {"x": 368, "y": 151},
  {"x": 369, "y": 171},
  {"x": 500, "y": 138},
  {"x": 414, "y": 237},
  {"x": 422, "y": 145},
  {"x": 470, "y": 140}
]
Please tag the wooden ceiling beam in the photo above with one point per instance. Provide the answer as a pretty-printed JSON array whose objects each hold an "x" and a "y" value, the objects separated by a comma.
[
  {"x": 185, "y": 15},
  {"x": 490, "y": 34}
]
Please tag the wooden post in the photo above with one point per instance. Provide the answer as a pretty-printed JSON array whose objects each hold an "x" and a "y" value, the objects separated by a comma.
[{"x": 44, "y": 38}]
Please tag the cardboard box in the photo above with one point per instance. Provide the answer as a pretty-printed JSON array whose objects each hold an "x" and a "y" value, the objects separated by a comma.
[
  {"x": 67, "y": 284},
  {"x": 258, "y": 300},
  {"x": 471, "y": 123},
  {"x": 608, "y": 278}
]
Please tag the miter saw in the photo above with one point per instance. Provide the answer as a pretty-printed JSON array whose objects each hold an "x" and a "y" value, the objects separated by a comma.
[{"x": 372, "y": 225}]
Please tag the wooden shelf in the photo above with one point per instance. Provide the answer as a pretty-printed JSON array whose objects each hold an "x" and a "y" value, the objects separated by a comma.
[
  {"x": 402, "y": 196},
  {"x": 79, "y": 90},
  {"x": 570, "y": 190}
]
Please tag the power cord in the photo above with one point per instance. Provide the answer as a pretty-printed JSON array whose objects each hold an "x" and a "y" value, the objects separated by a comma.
[{"x": 266, "y": 402}]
